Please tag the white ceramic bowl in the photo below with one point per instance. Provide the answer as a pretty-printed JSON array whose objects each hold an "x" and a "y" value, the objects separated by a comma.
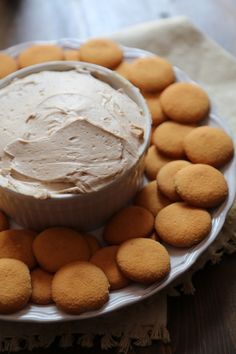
[
  {"x": 181, "y": 259},
  {"x": 85, "y": 211}
]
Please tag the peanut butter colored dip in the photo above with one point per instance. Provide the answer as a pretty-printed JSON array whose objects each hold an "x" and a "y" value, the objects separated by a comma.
[{"x": 66, "y": 132}]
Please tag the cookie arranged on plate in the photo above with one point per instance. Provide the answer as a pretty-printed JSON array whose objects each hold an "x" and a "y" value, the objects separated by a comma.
[
  {"x": 209, "y": 145},
  {"x": 154, "y": 161},
  {"x": 41, "y": 282},
  {"x": 130, "y": 222},
  {"x": 151, "y": 73},
  {"x": 7, "y": 65},
  {"x": 181, "y": 225},
  {"x": 105, "y": 258},
  {"x": 73, "y": 269},
  {"x": 165, "y": 178},
  {"x": 201, "y": 185},
  {"x": 143, "y": 260},
  {"x": 39, "y": 53},
  {"x": 15, "y": 285},
  {"x": 169, "y": 136},
  {"x": 71, "y": 54},
  {"x": 185, "y": 103},
  {"x": 17, "y": 244},
  {"x": 80, "y": 286},
  {"x": 151, "y": 198},
  {"x": 101, "y": 51},
  {"x": 154, "y": 105},
  {"x": 57, "y": 246}
]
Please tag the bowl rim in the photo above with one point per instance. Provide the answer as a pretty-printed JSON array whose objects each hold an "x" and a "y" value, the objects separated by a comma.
[{"x": 100, "y": 73}]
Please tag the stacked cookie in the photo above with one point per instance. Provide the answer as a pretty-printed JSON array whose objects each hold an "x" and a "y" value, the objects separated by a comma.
[
  {"x": 50, "y": 266},
  {"x": 71, "y": 269},
  {"x": 183, "y": 160},
  {"x": 139, "y": 257},
  {"x": 102, "y": 52}
]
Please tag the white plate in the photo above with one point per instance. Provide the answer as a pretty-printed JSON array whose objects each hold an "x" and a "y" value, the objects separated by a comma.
[{"x": 181, "y": 259}]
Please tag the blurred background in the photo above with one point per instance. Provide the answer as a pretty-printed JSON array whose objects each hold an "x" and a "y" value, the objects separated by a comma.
[{"x": 24, "y": 20}]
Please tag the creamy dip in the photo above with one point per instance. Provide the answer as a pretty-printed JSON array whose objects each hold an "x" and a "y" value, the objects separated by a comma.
[{"x": 66, "y": 132}]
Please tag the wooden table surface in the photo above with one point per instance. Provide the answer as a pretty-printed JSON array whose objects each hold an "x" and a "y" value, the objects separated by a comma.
[{"x": 206, "y": 322}]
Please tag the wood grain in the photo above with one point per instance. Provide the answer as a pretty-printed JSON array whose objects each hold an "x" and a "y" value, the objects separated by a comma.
[{"x": 205, "y": 323}]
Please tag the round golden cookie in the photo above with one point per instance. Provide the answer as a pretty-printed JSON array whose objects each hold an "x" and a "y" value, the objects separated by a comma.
[
  {"x": 165, "y": 178},
  {"x": 79, "y": 287},
  {"x": 181, "y": 225},
  {"x": 71, "y": 54},
  {"x": 143, "y": 260},
  {"x": 41, "y": 287},
  {"x": 154, "y": 161},
  {"x": 169, "y": 136},
  {"x": 150, "y": 198},
  {"x": 154, "y": 105},
  {"x": 4, "y": 223},
  {"x": 18, "y": 244},
  {"x": 105, "y": 258},
  {"x": 208, "y": 145},
  {"x": 102, "y": 52},
  {"x": 57, "y": 246},
  {"x": 39, "y": 53},
  {"x": 152, "y": 133},
  {"x": 201, "y": 185},
  {"x": 123, "y": 69},
  {"x": 185, "y": 103},
  {"x": 7, "y": 65},
  {"x": 151, "y": 73},
  {"x": 93, "y": 243},
  {"x": 15, "y": 285},
  {"x": 130, "y": 222}
]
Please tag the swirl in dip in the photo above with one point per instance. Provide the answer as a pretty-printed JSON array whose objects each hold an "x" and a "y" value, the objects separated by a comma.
[{"x": 66, "y": 132}]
